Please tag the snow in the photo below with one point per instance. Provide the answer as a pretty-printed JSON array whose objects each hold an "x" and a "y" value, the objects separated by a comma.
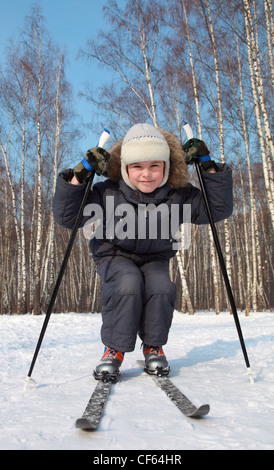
[{"x": 206, "y": 362}]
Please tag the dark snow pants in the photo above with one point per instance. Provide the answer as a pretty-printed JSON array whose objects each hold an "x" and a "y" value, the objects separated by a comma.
[{"x": 136, "y": 300}]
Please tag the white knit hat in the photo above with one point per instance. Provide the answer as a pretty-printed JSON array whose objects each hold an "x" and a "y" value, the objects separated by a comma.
[{"x": 142, "y": 143}]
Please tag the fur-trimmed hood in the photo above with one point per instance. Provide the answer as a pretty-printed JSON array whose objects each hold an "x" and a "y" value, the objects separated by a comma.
[{"x": 178, "y": 173}]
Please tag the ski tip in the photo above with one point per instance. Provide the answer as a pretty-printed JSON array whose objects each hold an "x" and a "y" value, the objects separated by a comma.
[
  {"x": 203, "y": 410},
  {"x": 85, "y": 425}
]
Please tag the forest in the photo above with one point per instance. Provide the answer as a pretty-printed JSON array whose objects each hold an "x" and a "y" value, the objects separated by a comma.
[{"x": 208, "y": 62}]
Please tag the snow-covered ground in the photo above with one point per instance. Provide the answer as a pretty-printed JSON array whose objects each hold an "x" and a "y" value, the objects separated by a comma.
[{"x": 206, "y": 363}]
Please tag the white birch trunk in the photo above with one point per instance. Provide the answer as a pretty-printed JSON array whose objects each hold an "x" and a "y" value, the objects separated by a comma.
[
  {"x": 38, "y": 250},
  {"x": 15, "y": 221},
  {"x": 267, "y": 166},
  {"x": 256, "y": 61},
  {"x": 22, "y": 217},
  {"x": 269, "y": 24},
  {"x": 49, "y": 271},
  {"x": 182, "y": 270},
  {"x": 221, "y": 136}
]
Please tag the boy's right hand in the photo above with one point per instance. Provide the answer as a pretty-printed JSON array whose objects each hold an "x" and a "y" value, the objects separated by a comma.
[{"x": 95, "y": 159}]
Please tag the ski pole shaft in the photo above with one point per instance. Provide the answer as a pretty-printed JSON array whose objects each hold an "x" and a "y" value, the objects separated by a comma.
[
  {"x": 221, "y": 258},
  {"x": 222, "y": 264},
  {"x": 102, "y": 141}
]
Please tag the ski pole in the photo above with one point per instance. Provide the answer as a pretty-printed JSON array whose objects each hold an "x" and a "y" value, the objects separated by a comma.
[
  {"x": 102, "y": 141},
  {"x": 189, "y": 135}
]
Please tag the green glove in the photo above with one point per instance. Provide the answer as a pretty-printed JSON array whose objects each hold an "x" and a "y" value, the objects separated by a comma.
[
  {"x": 95, "y": 160},
  {"x": 196, "y": 150}
]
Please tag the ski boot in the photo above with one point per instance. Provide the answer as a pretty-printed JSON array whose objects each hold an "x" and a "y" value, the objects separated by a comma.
[
  {"x": 109, "y": 365},
  {"x": 155, "y": 360}
]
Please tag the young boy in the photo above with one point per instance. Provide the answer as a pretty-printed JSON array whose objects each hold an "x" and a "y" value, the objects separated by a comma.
[{"x": 147, "y": 180}]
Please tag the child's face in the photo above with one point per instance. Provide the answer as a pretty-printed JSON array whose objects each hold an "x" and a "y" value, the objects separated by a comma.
[{"x": 146, "y": 176}]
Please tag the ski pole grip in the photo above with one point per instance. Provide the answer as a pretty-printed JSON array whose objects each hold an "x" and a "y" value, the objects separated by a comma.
[
  {"x": 104, "y": 138},
  {"x": 188, "y": 130}
]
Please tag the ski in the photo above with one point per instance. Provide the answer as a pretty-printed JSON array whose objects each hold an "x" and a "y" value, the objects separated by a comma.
[
  {"x": 177, "y": 397},
  {"x": 95, "y": 407},
  {"x": 94, "y": 410}
]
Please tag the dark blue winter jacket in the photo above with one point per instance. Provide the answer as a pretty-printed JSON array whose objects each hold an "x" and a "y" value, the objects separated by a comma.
[{"x": 124, "y": 229}]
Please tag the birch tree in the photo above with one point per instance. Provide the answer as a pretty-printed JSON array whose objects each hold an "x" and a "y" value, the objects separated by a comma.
[
  {"x": 55, "y": 122},
  {"x": 254, "y": 61},
  {"x": 34, "y": 103},
  {"x": 133, "y": 52}
]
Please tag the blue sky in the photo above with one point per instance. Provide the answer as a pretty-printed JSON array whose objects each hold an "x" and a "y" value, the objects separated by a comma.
[{"x": 70, "y": 23}]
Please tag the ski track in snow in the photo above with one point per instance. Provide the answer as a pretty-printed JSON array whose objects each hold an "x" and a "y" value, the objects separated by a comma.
[{"x": 206, "y": 362}]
